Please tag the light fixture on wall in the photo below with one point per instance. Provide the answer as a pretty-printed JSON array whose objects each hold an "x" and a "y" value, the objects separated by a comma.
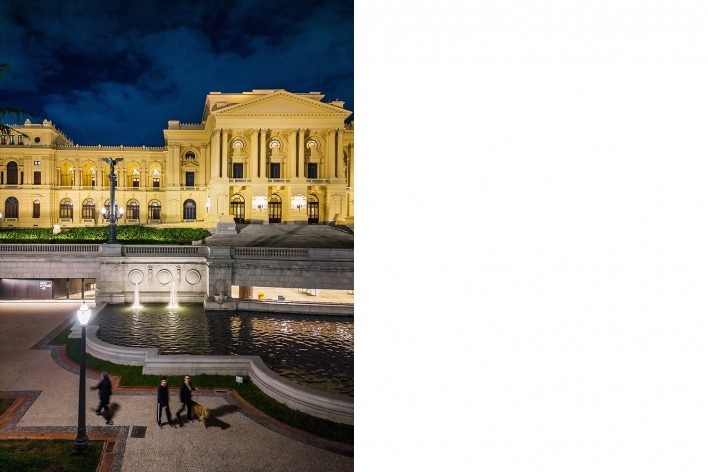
[
  {"x": 208, "y": 203},
  {"x": 260, "y": 202},
  {"x": 297, "y": 202}
]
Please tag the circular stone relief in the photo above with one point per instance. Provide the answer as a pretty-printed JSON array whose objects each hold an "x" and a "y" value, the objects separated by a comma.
[
  {"x": 220, "y": 286},
  {"x": 164, "y": 276},
  {"x": 136, "y": 276},
  {"x": 193, "y": 277}
]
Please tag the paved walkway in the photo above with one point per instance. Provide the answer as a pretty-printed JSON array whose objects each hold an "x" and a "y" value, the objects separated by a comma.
[{"x": 45, "y": 385}]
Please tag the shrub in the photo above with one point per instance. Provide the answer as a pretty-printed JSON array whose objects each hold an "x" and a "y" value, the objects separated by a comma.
[{"x": 128, "y": 234}]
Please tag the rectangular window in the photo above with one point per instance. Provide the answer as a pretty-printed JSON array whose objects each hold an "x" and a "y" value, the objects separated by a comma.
[
  {"x": 155, "y": 182},
  {"x": 238, "y": 171},
  {"x": 20, "y": 139},
  {"x": 274, "y": 171},
  {"x": 3, "y": 139},
  {"x": 189, "y": 179},
  {"x": 35, "y": 209},
  {"x": 136, "y": 182},
  {"x": 12, "y": 139},
  {"x": 311, "y": 171},
  {"x": 37, "y": 177}
]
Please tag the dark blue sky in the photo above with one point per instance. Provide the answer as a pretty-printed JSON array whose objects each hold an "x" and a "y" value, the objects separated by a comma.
[{"x": 115, "y": 72}]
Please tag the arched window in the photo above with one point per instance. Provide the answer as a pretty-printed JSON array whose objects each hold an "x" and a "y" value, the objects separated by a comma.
[
  {"x": 66, "y": 209},
  {"x": 88, "y": 210},
  {"x": 189, "y": 210},
  {"x": 154, "y": 210},
  {"x": 35, "y": 209},
  {"x": 132, "y": 210},
  {"x": 12, "y": 173},
  {"x": 135, "y": 178},
  {"x": 12, "y": 207}
]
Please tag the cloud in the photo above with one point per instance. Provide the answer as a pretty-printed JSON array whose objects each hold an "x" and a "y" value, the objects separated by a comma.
[{"x": 115, "y": 72}]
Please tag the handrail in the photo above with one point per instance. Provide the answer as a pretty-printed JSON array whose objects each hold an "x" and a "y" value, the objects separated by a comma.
[{"x": 38, "y": 248}]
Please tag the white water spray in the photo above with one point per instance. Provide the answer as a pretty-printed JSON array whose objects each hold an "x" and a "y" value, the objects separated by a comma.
[
  {"x": 136, "y": 298},
  {"x": 173, "y": 297}
]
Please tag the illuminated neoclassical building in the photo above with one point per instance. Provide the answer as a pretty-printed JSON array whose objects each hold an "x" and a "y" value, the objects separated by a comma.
[{"x": 260, "y": 156}]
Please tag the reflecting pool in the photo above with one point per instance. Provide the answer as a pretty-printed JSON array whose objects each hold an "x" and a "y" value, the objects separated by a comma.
[{"x": 317, "y": 351}]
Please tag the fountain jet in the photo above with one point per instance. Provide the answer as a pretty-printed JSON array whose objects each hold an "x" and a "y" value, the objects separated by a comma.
[{"x": 173, "y": 297}]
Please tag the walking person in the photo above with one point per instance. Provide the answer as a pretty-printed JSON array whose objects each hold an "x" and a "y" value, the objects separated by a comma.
[
  {"x": 185, "y": 396},
  {"x": 163, "y": 401},
  {"x": 105, "y": 390}
]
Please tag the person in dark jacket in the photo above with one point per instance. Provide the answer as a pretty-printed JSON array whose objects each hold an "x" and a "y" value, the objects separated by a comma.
[
  {"x": 185, "y": 396},
  {"x": 105, "y": 391},
  {"x": 163, "y": 401}
]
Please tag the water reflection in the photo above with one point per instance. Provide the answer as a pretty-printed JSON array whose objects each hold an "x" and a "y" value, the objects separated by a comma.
[{"x": 313, "y": 351}]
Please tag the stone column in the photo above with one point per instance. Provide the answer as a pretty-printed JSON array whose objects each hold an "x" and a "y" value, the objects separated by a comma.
[
  {"x": 292, "y": 155},
  {"x": 329, "y": 167},
  {"x": 224, "y": 153},
  {"x": 253, "y": 155},
  {"x": 214, "y": 155},
  {"x": 245, "y": 292},
  {"x": 339, "y": 164},
  {"x": 262, "y": 155}
]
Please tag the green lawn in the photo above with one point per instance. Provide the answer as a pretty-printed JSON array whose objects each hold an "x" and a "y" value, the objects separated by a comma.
[{"x": 41, "y": 455}]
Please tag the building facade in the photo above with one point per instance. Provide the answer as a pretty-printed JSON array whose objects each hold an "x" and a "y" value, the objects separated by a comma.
[{"x": 265, "y": 156}]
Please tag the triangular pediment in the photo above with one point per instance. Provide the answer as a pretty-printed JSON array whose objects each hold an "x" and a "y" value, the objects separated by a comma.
[{"x": 279, "y": 103}]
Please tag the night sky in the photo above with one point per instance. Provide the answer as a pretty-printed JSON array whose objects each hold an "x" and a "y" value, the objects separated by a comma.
[{"x": 115, "y": 72}]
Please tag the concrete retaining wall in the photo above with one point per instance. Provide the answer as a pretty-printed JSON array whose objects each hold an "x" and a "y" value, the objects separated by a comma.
[{"x": 320, "y": 309}]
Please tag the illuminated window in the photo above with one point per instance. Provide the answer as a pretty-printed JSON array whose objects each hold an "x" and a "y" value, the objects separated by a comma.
[
  {"x": 66, "y": 210},
  {"x": 11, "y": 207}
]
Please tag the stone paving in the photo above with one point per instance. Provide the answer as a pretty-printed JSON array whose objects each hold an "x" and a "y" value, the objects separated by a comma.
[{"x": 45, "y": 385}]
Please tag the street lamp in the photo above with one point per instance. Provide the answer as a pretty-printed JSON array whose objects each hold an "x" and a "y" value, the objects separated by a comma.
[
  {"x": 112, "y": 210},
  {"x": 81, "y": 443}
]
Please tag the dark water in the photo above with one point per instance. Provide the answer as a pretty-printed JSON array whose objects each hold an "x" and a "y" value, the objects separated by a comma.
[{"x": 313, "y": 351}]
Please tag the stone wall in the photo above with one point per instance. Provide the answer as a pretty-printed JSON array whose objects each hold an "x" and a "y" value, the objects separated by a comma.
[{"x": 197, "y": 273}]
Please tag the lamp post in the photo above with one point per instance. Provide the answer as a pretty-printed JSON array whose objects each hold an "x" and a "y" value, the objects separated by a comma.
[
  {"x": 81, "y": 443},
  {"x": 112, "y": 210}
]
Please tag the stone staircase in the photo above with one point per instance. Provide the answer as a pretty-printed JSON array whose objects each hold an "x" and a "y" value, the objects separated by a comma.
[{"x": 282, "y": 235}]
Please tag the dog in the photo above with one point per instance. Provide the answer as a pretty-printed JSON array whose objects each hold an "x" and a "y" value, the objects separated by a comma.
[{"x": 201, "y": 412}]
